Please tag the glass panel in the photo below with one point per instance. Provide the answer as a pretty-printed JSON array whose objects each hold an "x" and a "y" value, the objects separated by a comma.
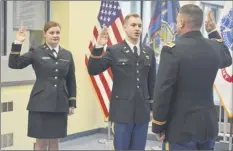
[{"x": 130, "y": 7}]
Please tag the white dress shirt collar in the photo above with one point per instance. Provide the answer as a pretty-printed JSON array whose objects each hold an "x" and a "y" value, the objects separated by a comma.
[
  {"x": 56, "y": 48},
  {"x": 132, "y": 45}
]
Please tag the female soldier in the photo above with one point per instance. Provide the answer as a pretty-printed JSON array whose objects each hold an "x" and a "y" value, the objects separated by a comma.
[{"x": 53, "y": 96}]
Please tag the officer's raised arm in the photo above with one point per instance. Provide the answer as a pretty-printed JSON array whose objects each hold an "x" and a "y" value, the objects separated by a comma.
[
  {"x": 17, "y": 61},
  {"x": 99, "y": 62},
  {"x": 210, "y": 25}
]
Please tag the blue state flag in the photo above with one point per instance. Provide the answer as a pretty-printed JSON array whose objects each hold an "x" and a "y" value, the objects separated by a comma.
[{"x": 162, "y": 27}]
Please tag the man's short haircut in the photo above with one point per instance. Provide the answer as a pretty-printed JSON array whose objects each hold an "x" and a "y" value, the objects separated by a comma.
[
  {"x": 131, "y": 15},
  {"x": 194, "y": 15}
]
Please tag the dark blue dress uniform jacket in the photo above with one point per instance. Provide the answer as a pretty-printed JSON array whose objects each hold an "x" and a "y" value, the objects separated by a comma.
[
  {"x": 133, "y": 81},
  {"x": 55, "y": 86},
  {"x": 183, "y": 98}
]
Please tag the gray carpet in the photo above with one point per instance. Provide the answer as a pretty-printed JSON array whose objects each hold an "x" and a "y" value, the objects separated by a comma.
[{"x": 95, "y": 142}]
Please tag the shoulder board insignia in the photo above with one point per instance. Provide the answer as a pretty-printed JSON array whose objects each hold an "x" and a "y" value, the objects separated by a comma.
[
  {"x": 219, "y": 40},
  {"x": 170, "y": 44}
]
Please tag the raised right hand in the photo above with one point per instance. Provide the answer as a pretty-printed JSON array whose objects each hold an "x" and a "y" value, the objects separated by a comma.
[
  {"x": 21, "y": 34},
  {"x": 103, "y": 37}
]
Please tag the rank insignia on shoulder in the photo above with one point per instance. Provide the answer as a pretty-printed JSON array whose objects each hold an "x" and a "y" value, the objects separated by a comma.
[
  {"x": 219, "y": 40},
  {"x": 170, "y": 44}
]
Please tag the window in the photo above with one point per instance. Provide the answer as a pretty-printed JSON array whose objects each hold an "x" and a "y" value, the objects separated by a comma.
[
  {"x": 130, "y": 7},
  {"x": 30, "y": 14},
  {"x": 148, "y": 8},
  {"x": 143, "y": 8}
]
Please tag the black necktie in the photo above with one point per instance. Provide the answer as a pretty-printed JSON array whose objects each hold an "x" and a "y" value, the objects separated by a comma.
[
  {"x": 135, "y": 49},
  {"x": 53, "y": 50}
]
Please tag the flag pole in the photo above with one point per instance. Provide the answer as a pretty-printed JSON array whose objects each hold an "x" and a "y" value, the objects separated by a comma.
[
  {"x": 109, "y": 131},
  {"x": 109, "y": 138},
  {"x": 231, "y": 124},
  {"x": 230, "y": 137}
]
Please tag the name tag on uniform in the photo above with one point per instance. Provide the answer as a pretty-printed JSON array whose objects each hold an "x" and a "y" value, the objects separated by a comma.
[
  {"x": 64, "y": 60},
  {"x": 147, "y": 57},
  {"x": 44, "y": 58},
  {"x": 122, "y": 60}
]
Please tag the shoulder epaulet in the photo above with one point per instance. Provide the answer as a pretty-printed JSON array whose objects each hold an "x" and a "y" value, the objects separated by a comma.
[
  {"x": 219, "y": 40},
  {"x": 170, "y": 44}
]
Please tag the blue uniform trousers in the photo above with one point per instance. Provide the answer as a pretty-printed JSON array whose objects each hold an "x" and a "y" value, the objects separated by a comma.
[
  {"x": 129, "y": 136},
  {"x": 191, "y": 145}
]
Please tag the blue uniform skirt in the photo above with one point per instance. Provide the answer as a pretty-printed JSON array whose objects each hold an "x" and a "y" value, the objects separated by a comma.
[{"x": 47, "y": 125}]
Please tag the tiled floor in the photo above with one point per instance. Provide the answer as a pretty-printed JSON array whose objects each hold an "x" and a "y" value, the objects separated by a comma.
[{"x": 94, "y": 142}]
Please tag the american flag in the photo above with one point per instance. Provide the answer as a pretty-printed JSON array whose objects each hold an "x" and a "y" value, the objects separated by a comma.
[{"x": 110, "y": 15}]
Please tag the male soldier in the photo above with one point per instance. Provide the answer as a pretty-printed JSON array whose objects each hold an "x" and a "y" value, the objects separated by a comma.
[
  {"x": 184, "y": 115},
  {"x": 133, "y": 68}
]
